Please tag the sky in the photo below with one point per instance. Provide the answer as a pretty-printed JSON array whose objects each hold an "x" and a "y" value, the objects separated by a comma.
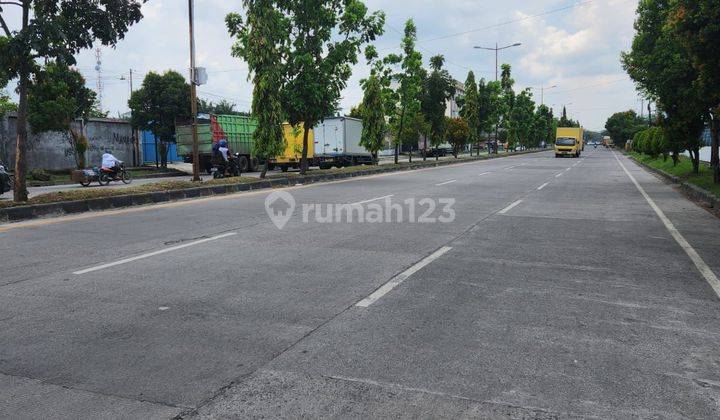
[{"x": 574, "y": 46}]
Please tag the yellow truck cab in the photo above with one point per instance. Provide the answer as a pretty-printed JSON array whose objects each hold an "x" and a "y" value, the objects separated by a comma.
[{"x": 569, "y": 142}]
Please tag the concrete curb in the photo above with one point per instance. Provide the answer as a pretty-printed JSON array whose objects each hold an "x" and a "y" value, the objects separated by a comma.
[
  {"x": 692, "y": 191},
  {"x": 18, "y": 213}
]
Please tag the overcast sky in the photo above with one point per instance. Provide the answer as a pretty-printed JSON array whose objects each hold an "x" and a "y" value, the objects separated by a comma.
[{"x": 574, "y": 45}]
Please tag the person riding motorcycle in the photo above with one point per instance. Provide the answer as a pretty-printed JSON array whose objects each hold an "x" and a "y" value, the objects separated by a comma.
[
  {"x": 110, "y": 163},
  {"x": 224, "y": 159},
  {"x": 5, "y": 184}
]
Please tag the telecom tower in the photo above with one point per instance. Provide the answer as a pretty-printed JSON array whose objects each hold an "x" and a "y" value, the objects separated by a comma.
[{"x": 98, "y": 70}]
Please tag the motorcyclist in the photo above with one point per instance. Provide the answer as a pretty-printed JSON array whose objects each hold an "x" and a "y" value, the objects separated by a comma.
[
  {"x": 225, "y": 160},
  {"x": 109, "y": 162},
  {"x": 5, "y": 184}
]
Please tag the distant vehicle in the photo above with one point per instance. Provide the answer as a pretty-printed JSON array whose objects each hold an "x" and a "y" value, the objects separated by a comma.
[
  {"x": 608, "y": 142},
  {"x": 569, "y": 142}
]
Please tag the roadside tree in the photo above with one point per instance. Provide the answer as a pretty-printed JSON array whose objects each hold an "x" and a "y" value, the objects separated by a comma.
[
  {"x": 57, "y": 96},
  {"x": 158, "y": 104},
  {"x": 54, "y": 31},
  {"x": 438, "y": 89}
]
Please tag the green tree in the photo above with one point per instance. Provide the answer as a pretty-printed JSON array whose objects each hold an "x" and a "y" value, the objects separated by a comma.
[
  {"x": 458, "y": 133},
  {"x": 492, "y": 95},
  {"x": 260, "y": 42},
  {"x": 470, "y": 110},
  {"x": 6, "y": 104},
  {"x": 567, "y": 122},
  {"x": 658, "y": 63},
  {"x": 622, "y": 126},
  {"x": 53, "y": 30},
  {"x": 57, "y": 96},
  {"x": 221, "y": 107},
  {"x": 410, "y": 79},
  {"x": 544, "y": 127},
  {"x": 508, "y": 94},
  {"x": 438, "y": 89},
  {"x": 373, "y": 115},
  {"x": 521, "y": 120},
  {"x": 160, "y": 101},
  {"x": 322, "y": 41},
  {"x": 697, "y": 25}
]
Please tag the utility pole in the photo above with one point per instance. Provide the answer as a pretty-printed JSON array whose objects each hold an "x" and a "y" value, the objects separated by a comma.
[
  {"x": 193, "y": 95},
  {"x": 542, "y": 92}
]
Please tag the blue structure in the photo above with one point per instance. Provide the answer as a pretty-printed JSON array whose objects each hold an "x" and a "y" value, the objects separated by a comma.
[{"x": 149, "y": 145}]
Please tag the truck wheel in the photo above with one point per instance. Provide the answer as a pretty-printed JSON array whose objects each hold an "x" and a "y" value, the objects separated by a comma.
[
  {"x": 243, "y": 164},
  {"x": 254, "y": 163}
]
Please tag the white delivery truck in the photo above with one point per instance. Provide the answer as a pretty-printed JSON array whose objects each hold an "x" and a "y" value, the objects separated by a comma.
[{"x": 337, "y": 143}]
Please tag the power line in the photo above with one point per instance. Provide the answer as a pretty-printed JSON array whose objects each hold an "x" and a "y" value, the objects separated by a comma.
[{"x": 586, "y": 87}]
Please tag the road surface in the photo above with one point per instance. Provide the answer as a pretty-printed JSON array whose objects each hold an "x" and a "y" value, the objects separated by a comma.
[
  {"x": 35, "y": 191},
  {"x": 560, "y": 289}
]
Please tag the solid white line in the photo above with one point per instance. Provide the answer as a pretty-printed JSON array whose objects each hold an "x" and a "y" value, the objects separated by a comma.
[
  {"x": 371, "y": 200},
  {"x": 559, "y": 175},
  {"x": 703, "y": 268},
  {"x": 446, "y": 182},
  {"x": 510, "y": 207},
  {"x": 484, "y": 173},
  {"x": 543, "y": 186},
  {"x": 397, "y": 280},
  {"x": 152, "y": 254}
]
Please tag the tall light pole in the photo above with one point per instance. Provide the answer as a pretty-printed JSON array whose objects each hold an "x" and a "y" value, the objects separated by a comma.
[
  {"x": 136, "y": 138},
  {"x": 542, "y": 92},
  {"x": 496, "y": 49},
  {"x": 193, "y": 95}
]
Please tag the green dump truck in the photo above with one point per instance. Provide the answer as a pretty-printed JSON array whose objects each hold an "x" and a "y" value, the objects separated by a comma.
[{"x": 236, "y": 129}]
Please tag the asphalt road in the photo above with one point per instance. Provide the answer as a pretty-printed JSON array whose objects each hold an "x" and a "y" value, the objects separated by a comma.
[
  {"x": 35, "y": 191},
  {"x": 557, "y": 291}
]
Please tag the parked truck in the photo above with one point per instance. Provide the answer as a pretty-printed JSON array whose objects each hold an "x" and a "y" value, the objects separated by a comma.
[
  {"x": 569, "y": 141},
  {"x": 293, "y": 149},
  {"x": 236, "y": 129},
  {"x": 337, "y": 143}
]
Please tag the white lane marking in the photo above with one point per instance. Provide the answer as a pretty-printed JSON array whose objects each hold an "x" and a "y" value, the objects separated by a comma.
[
  {"x": 568, "y": 168},
  {"x": 702, "y": 267},
  {"x": 484, "y": 173},
  {"x": 163, "y": 308},
  {"x": 152, "y": 254},
  {"x": 371, "y": 200},
  {"x": 510, "y": 207},
  {"x": 543, "y": 186},
  {"x": 398, "y": 279},
  {"x": 446, "y": 182},
  {"x": 559, "y": 175}
]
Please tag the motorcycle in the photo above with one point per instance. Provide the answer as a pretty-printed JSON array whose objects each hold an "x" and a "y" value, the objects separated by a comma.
[
  {"x": 7, "y": 181},
  {"x": 223, "y": 169},
  {"x": 118, "y": 173}
]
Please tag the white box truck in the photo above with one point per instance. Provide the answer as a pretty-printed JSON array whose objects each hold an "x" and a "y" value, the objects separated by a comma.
[{"x": 337, "y": 143}]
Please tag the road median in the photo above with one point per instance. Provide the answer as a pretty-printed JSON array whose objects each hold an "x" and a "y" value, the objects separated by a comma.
[{"x": 78, "y": 201}]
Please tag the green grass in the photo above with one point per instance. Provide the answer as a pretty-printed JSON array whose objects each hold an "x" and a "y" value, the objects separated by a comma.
[{"x": 682, "y": 170}]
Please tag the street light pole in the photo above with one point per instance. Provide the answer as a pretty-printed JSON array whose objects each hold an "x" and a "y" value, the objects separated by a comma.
[
  {"x": 193, "y": 96},
  {"x": 542, "y": 92},
  {"x": 496, "y": 49}
]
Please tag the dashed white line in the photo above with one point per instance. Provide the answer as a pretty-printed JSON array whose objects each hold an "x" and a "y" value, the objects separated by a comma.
[
  {"x": 154, "y": 253},
  {"x": 700, "y": 264},
  {"x": 543, "y": 186},
  {"x": 559, "y": 175},
  {"x": 371, "y": 200},
  {"x": 398, "y": 279},
  {"x": 568, "y": 169},
  {"x": 446, "y": 182},
  {"x": 510, "y": 207},
  {"x": 484, "y": 173}
]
